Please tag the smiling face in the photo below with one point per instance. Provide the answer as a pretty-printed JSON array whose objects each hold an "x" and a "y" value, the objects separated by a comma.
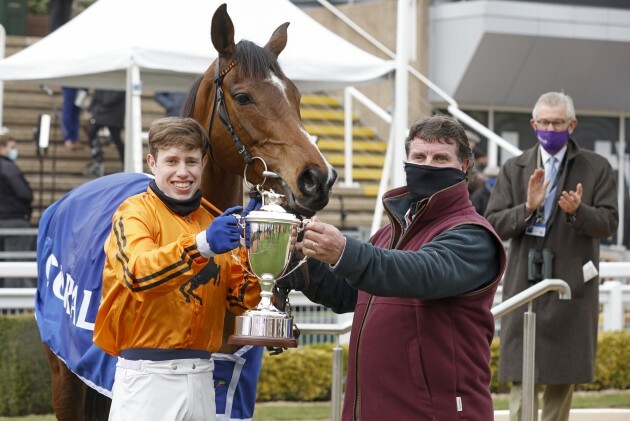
[{"x": 177, "y": 171}]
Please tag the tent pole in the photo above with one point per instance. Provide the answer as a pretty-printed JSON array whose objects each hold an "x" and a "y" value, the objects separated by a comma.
[
  {"x": 133, "y": 121},
  {"x": 3, "y": 40},
  {"x": 401, "y": 92}
]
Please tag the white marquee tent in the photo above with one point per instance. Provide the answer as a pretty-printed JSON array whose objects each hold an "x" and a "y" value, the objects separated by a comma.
[{"x": 165, "y": 45}]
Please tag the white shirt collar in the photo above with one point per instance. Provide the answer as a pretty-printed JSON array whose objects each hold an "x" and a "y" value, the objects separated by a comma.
[{"x": 544, "y": 155}]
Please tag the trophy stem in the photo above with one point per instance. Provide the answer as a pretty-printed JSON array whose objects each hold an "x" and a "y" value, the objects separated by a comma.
[{"x": 267, "y": 282}]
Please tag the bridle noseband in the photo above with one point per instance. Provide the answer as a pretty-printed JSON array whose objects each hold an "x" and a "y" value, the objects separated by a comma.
[{"x": 223, "y": 112}]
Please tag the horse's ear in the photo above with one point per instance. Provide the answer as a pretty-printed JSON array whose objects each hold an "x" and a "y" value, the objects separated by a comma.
[
  {"x": 222, "y": 32},
  {"x": 278, "y": 40}
]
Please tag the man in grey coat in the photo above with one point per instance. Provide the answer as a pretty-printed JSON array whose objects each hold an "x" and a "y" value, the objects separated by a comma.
[{"x": 554, "y": 203}]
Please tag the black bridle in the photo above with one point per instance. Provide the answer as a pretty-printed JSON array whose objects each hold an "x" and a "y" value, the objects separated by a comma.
[
  {"x": 223, "y": 115},
  {"x": 223, "y": 112}
]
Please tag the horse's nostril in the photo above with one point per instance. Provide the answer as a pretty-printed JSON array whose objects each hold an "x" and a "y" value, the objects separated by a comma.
[{"x": 310, "y": 180}]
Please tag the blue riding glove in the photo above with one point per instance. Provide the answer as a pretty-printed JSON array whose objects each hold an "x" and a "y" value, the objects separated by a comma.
[
  {"x": 254, "y": 204},
  {"x": 223, "y": 234}
]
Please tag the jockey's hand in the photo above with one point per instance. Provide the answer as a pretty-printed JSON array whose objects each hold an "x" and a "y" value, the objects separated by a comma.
[
  {"x": 254, "y": 204},
  {"x": 223, "y": 234}
]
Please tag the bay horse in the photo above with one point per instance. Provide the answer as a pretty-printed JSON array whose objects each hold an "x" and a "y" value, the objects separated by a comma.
[{"x": 251, "y": 111}]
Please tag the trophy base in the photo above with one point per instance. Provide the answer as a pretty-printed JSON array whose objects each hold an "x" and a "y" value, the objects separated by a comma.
[
  {"x": 263, "y": 341},
  {"x": 264, "y": 327}
]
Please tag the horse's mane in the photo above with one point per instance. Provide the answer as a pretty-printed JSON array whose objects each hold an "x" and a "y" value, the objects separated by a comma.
[
  {"x": 254, "y": 62},
  {"x": 188, "y": 109}
]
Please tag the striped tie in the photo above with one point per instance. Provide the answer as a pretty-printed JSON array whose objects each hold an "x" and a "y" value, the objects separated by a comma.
[{"x": 552, "y": 172}]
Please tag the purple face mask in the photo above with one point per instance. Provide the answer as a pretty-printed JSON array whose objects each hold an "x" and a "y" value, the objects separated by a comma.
[{"x": 552, "y": 141}]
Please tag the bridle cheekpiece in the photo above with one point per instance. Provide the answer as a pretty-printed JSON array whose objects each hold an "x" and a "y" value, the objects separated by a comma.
[{"x": 222, "y": 112}]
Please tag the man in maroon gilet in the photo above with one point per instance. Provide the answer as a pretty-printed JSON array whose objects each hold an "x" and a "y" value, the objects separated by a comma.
[{"x": 421, "y": 290}]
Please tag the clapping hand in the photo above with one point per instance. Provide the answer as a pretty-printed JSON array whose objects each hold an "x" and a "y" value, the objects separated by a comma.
[
  {"x": 536, "y": 189},
  {"x": 570, "y": 200}
]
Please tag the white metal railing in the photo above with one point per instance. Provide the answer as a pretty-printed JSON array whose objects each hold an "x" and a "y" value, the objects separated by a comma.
[
  {"x": 336, "y": 391},
  {"x": 494, "y": 140},
  {"x": 22, "y": 255},
  {"x": 529, "y": 332},
  {"x": 351, "y": 93},
  {"x": 614, "y": 298},
  {"x": 614, "y": 294},
  {"x": 3, "y": 36}
]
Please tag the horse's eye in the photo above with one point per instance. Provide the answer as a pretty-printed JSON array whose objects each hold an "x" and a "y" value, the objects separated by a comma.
[{"x": 243, "y": 99}]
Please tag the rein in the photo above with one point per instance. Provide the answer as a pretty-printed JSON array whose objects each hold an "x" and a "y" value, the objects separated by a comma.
[{"x": 223, "y": 112}]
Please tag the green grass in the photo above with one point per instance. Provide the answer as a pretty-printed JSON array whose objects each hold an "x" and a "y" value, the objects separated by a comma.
[
  {"x": 605, "y": 399},
  {"x": 290, "y": 411},
  {"x": 294, "y": 411}
]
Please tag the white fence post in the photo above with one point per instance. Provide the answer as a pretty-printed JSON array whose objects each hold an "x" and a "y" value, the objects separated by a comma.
[{"x": 612, "y": 305}]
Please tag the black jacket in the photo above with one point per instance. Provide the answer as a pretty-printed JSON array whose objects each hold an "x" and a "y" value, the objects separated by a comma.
[
  {"x": 15, "y": 192},
  {"x": 108, "y": 108}
]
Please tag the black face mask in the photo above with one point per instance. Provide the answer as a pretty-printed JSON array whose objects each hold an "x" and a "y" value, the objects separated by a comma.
[
  {"x": 424, "y": 180},
  {"x": 180, "y": 207}
]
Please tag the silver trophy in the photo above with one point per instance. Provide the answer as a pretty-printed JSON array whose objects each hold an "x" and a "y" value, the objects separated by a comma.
[{"x": 273, "y": 233}]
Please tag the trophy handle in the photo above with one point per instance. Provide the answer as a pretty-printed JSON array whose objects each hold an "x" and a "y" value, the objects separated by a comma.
[
  {"x": 245, "y": 268},
  {"x": 303, "y": 223},
  {"x": 293, "y": 270},
  {"x": 300, "y": 228}
]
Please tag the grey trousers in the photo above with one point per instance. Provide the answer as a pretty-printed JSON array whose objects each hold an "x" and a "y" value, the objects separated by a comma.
[{"x": 556, "y": 401}]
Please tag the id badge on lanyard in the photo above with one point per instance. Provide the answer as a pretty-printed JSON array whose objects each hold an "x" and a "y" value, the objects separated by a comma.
[{"x": 538, "y": 228}]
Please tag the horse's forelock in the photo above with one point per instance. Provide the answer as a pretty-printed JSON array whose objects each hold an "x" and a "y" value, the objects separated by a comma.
[{"x": 255, "y": 62}]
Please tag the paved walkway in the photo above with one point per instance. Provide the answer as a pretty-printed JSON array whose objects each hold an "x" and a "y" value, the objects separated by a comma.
[{"x": 582, "y": 415}]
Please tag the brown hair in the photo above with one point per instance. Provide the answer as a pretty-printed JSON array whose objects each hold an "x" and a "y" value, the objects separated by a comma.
[
  {"x": 443, "y": 129},
  {"x": 5, "y": 139},
  {"x": 180, "y": 132}
]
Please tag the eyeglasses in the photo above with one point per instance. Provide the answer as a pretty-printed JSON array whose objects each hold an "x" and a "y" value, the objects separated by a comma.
[{"x": 557, "y": 124}]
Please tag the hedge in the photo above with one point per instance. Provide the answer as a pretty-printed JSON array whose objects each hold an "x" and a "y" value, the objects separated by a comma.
[
  {"x": 25, "y": 380},
  {"x": 302, "y": 374}
]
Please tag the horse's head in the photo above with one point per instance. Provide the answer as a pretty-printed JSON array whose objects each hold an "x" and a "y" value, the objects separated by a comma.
[{"x": 252, "y": 111}]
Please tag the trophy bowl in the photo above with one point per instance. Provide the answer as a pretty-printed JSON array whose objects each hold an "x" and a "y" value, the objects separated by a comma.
[{"x": 272, "y": 235}]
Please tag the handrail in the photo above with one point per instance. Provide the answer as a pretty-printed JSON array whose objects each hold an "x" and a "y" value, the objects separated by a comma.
[
  {"x": 480, "y": 128},
  {"x": 350, "y": 93},
  {"x": 345, "y": 19},
  {"x": 452, "y": 108},
  {"x": 531, "y": 294},
  {"x": 336, "y": 390},
  {"x": 452, "y": 104},
  {"x": 529, "y": 333},
  {"x": 325, "y": 328}
]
